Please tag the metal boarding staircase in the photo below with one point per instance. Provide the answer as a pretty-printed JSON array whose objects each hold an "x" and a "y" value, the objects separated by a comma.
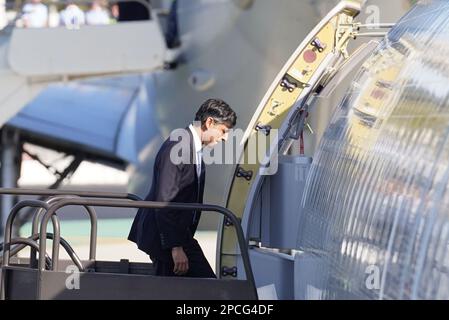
[{"x": 40, "y": 277}]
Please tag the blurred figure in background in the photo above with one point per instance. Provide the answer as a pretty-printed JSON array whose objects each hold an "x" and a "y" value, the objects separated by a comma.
[
  {"x": 132, "y": 11},
  {"x": 3, "y": 19},
  {"x": 114, "y": 13},
  {"x": 97, "y": 14},
  {"x": 72, "y": 16},
  {"x": 34, "y": 15},
  {"x": 172, "y": 33}
]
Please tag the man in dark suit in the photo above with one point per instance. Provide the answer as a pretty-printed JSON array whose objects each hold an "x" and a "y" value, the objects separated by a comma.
[{"x": 167, "y": 236}]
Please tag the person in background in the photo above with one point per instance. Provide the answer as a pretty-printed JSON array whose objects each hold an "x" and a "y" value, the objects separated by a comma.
[
  {"x": 72, "y": 16},
  {"x": 133, "y": 11},
  {"x": 114, "y": 13},
  {"x": 172, "y": 34},
  {"x": 97, "y": 14},
  {"x": 34, "y": 15}
]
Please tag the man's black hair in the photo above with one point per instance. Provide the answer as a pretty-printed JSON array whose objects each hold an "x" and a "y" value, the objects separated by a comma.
[{"x": 217, "y": 109}]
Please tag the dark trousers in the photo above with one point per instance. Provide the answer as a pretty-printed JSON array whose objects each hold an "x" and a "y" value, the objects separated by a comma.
[{"x": 198, "y": 265}]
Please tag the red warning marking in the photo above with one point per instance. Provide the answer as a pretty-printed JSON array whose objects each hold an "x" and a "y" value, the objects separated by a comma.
[
  {"x": 377, "y": 94},
  {"x": 309, "y": 56}
]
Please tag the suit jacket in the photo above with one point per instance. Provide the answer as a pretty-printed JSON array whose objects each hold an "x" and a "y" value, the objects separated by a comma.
[{"x": 156, "y": 231}]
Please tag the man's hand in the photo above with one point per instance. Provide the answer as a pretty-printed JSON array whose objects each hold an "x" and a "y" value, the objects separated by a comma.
[{"x": 180, "y": 260}]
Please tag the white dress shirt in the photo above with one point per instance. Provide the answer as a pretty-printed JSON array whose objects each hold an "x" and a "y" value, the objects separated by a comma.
[
  {"x": 72, "y": 16},
  {"x": 97, "y": 16},
  {"x": 35, "y": 15},
  {"x": 197, "y": 146}
]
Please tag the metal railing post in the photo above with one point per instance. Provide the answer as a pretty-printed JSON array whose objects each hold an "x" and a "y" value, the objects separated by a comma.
[
  {"x": 93, "y": 220},
  {"x": 8, "y": 228}
]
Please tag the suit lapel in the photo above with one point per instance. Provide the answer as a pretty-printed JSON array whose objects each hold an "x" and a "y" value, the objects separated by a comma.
[
  {"x": 192, "y": 161},
  {"x": 203, "y": 170},
  {"x": 191, "y": 143}
]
